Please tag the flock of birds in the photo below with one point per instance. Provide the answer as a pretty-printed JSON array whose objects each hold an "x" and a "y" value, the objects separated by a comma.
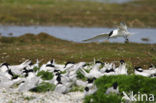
[
  {"x": 120, "y": 31},
  {"x": 25, "y": 78}
]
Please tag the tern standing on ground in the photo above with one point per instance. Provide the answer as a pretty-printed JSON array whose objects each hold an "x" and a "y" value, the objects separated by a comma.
[{"x": 121, "y": 31}]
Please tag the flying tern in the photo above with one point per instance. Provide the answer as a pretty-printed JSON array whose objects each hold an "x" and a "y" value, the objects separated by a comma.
[{"x": 120, "y": 31}]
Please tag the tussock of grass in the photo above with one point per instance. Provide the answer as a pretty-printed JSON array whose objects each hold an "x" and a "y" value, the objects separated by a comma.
[
  {"x": 45, "y": 75},
  {"x": 43, "y": 87},
  {"x": 126, "y": 83}
]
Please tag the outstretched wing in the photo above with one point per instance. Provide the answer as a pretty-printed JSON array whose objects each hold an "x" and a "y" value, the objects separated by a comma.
[
  {"x": 123, "y": 26},
  {"x": 99, "y": 37}
]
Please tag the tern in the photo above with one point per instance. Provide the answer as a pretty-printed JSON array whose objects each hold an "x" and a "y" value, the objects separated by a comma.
[
  {"x": 94, "y": 72},
  {"x": 90, "y": 89},
  {"x": 113, "y": 89},
  {"x": 122, "y": 68},
  {"x": 146, "y": 73},
  {"x": 120, "y": 31}
]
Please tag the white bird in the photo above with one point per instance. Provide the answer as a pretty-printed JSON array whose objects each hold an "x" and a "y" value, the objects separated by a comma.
[
  {"x": 32, "y": 66},
  {"x": 47, "y": 67},
  {"x": 140, "y": 71},
  {"x": 122, "y": 68},
  {"x": 94, "y": 72},
  {"x": 85, "y": 83},
  {"x": 57, "y": 65},
  {"x": 29, "y": 82},
  {"x": 4, "y": 67},
  {"x": 108, "y": 69},
  {"x": 113, "y": 89},
  {"x": 74, "y": 68},
  {"x": 8, "y": 84},
  {"x": 7, "y": 72},
  {"x": 121, "y": 31},
  {"x": 63, "y": 88},
  {"x": 90, "y": 89},
  {"x": 17, "y": 69}
]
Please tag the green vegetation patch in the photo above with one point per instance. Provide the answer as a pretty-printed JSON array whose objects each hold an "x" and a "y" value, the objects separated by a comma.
[
  {"x": 45, "y": 75},
  {"x": 36, "y": 69},
  {"x": 43, "y": 87},
  {"x": 137, "y": 84}
]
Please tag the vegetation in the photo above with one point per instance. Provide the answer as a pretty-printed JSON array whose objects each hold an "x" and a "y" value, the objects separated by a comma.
[
  {"x": 15, "y": 50},
  {"x": 45, "y": 75},
  {"x": 137, "y": 84},
  {"x": 76, "y": 88},
  {"x": 36, "y": 69},
  {"x": 139, "y": 13},
  {"x": 28, "y": 98},
  {"x": 43, "y": 87}
]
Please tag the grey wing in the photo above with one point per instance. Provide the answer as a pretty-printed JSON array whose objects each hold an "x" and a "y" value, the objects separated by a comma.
[
  {"x": 99, "y": 37},
  {"x": 123, "y": 26}
]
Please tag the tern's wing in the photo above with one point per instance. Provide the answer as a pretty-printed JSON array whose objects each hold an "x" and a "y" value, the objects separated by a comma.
[
  {"x": 123, "y": 26},
  {"x": 99, "y": 37}
]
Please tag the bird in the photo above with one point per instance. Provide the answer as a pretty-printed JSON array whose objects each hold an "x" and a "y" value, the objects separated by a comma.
[
  {"x": 31, "y": 81},
  {"x": 90, "y": 89},
  {"x": 47, "y": 67},
  {"x": 113, "y": 89},
  {"x": 32, "y": 66},
  {"x": 7, "y": 72},
  {"x": 94, "y": 72},
  {"x": 146, "y": 73},
  {"x": 122, "y": 68},
  {"x": 108, "y": 69},
  {"x": 63, "y": 88},
  {"x": 17, "y": 69},
  {"x": 120, "y": 31}
]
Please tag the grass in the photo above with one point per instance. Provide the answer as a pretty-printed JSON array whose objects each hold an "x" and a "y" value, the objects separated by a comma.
[
  {"x": 137, "y": 84},
  {"x": 15, "y": 50},
  {"x": 43, "y": 87},
  {"x": 139, "y": 13}
]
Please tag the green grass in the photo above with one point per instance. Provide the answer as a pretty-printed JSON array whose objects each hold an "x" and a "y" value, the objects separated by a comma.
[
  {"x": 15, "y": 50},
  {"x": 45, "y": 75},
  {"x": 139, "y": 13},
  {"x": 43, "y": 87},
  {"x": 36, "y": 69},
  {"x": 137, "y": 84}
]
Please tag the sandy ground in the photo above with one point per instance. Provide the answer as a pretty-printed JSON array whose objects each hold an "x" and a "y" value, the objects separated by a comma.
[{"x": 9, "y": 96}]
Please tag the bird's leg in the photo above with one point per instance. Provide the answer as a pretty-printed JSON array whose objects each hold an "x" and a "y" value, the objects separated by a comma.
[{"x": 126, "y": 40}]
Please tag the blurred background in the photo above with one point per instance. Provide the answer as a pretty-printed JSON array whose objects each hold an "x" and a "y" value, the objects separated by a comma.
[{"x": 99, "y": 13}]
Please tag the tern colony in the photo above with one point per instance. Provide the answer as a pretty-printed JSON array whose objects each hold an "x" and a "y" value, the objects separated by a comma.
[{"x": 24, "y": 76}]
